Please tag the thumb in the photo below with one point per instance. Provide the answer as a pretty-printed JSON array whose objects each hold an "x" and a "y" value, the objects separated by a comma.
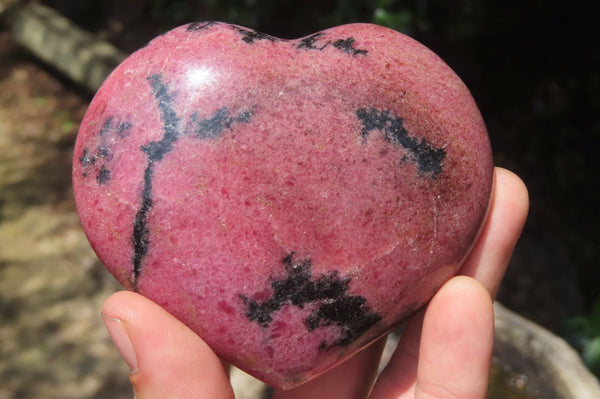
[{"x": 166, "y": 358}]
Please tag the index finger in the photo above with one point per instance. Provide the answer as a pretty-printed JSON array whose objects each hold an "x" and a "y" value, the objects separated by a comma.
[{"x": 491, "y": 254}]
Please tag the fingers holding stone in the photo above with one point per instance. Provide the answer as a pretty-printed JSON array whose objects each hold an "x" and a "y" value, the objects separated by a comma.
[
  {"x": 397, "y": 380},
  {"x": 491, "y": 253},
  {"x": 456, "y": 342},
  {"x": 166, "y": 358},
  {"x": 351, "y": 379}
]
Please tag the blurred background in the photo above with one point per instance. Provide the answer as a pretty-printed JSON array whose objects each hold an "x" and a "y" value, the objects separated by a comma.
[{"x": 532, "y": 66}]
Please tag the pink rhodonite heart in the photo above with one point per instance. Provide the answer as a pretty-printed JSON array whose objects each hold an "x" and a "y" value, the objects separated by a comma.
[{"x": 289, "y": 200}]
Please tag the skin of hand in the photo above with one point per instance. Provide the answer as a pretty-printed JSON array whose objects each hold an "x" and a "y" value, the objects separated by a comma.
[{"x": 444, "y": 352}]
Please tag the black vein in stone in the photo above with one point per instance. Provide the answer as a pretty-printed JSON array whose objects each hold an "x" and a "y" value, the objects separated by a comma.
[
  {"x": 250, "y": 36},
  {"x": 334, "y": 306},
  {"x": 100, "y": 160},
  {"x": 347, "y": 45},
  {"x": 86, "y": 159},
  {"x": 123, "y": 129},
  {"x": 106, "y": 127},
  {"x": 103, "y": 175},
  {"x": 209, "y": 128},
  {"x": 140, "y": 239},
  {"x": 155, "y": 150},
  {"x": 310, "y": 42},
  {"x": 198, "y": 26},
  {"x": 429, "y": 159}
]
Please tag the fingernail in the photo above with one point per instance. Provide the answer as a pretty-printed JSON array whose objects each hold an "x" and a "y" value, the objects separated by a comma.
[{"x": 118, "y": 333}]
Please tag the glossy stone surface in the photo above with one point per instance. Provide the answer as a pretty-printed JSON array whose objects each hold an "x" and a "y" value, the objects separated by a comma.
[{"x": 290, "y": 201}]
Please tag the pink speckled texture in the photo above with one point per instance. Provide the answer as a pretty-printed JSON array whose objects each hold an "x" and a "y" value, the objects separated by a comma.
[{"x": 290, "y": 201}]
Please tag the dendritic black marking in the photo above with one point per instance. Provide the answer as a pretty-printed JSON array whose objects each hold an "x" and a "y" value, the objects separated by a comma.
[
  {"x": 86, "y": 159},
  {"x": 429, "y": 159},
  {"x": 156, "y": 150},
  {"x": 314, "y": 42},
  {"x": 198, "y": 26},
  {"x": 97, "y": 161},
  {"x": 106, "y": 127},
  {"x": 310, "y": 42},
  {"x": 250, "y": 36},
  {"x": 123, "y": 129},
  {"x": 208, "y": 128},
  {"x": 329, "y": 292},
  {"x": 347, "y": 46},
  {"x": 103, "y": 175}
]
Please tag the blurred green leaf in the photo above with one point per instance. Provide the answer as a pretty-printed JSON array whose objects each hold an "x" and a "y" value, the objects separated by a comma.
[
  {"x": 591, "y": 355},
  {"x": 583, "y": 333}
]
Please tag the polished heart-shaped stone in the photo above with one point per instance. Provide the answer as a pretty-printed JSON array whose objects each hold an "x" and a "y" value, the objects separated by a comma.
[{"x": 289, "y": 200}]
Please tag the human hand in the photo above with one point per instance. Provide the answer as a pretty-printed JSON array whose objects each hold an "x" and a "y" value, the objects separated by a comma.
[{"x": 444, "y": 352}]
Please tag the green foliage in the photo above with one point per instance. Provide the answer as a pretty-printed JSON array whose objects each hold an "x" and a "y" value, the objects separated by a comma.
[
  {"x": 400, "y": 20},
  {"x": 583, "y": 333}
]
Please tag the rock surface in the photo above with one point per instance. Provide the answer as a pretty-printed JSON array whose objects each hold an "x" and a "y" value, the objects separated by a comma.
[
  {"x": 289, "y": 200},
  {"x": 535, "y": 363}
]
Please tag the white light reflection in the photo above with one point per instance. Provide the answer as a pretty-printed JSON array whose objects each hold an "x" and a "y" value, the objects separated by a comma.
[{"x": 201, "y": 77}]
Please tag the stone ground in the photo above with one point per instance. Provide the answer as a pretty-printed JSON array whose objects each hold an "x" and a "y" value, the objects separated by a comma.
[{"x": 52, "y": 341}]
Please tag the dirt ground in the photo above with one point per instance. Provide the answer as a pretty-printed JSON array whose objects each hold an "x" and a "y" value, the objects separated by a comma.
[{"x": 51, "y": 284}]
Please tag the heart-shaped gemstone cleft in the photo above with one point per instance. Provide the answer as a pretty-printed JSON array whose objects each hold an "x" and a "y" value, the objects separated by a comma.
[{"x": 289, "y": 200}]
